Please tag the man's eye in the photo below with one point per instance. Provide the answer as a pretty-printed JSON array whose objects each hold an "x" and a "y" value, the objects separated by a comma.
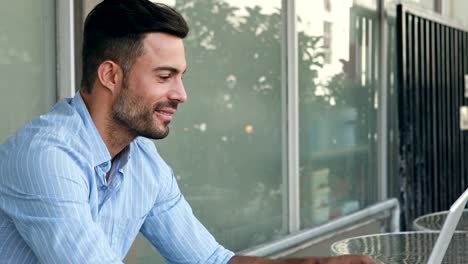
[{"x": 164, "y": 77}]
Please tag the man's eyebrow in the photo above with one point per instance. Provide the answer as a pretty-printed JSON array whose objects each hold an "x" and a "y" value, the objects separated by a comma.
[{"x": 168, "y": 68}]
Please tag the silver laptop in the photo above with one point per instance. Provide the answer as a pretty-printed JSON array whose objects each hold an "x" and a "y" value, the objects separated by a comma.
[{"x": 446, "y": 233}]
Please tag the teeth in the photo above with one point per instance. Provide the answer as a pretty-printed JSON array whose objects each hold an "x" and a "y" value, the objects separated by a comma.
[{"x": 164, "y": 113}]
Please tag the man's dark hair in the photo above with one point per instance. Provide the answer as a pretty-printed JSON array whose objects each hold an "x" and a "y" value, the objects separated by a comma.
[{"x": 115, "y": 29}]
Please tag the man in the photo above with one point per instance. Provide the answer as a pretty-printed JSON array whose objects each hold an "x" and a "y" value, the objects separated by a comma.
[{"x": 79, "y": 183}]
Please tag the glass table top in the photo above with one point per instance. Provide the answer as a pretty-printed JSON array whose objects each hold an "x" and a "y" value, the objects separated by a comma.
[
  {"x": 404, "y": 247},
  {"x": 435, "y": 221}
]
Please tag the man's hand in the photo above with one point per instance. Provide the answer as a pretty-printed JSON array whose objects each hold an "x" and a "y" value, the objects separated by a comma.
[{"x": 346, "y": 259}]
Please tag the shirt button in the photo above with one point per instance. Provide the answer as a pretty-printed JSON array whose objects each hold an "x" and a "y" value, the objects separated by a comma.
[{"x": 103, "y": 188}]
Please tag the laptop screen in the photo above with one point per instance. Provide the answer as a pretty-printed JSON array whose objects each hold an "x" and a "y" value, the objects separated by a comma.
[{"x": 446, "y": 233}]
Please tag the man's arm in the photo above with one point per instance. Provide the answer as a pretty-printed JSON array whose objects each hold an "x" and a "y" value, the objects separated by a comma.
[
  {"x": 178, "y": 235},
  {"x": 44, "y": 194},
  {"x": 347, "y": 259}
]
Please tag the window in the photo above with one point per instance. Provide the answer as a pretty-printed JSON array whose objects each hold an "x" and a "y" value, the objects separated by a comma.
[
  {"x": 27, "y": 62},
  {"x": 225, "y": 146},
  {"x": 337, "y": 110}
]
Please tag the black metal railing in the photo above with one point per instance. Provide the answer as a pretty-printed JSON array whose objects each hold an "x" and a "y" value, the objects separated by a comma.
[{"x": 431, "y": 65}]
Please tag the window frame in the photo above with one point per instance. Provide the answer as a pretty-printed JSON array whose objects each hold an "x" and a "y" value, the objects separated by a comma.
[{"x": 65, "y": 30}]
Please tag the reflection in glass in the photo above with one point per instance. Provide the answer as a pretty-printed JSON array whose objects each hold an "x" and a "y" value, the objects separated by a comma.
[
  {"x": 27, "y": 62},
  {"x": 338, "y": 107}
]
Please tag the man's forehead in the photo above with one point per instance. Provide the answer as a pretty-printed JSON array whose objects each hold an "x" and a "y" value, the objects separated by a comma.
[
  {"x": 163, "y": 41},
  {"x": 163, "y": 50}
]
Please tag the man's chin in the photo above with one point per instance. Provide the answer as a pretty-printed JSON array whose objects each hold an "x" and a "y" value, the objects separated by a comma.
[{"x": 160, "y": 134}]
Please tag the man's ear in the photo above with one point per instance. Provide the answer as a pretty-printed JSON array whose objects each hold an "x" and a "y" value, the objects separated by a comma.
[{"x": 110, "y": 75}]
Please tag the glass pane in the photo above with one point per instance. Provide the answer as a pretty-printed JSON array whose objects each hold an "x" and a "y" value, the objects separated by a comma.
[
  {"x": 27, "y": 62},
  {"x": 338, "y": 49},
  {"x": 225, "y": 145}
]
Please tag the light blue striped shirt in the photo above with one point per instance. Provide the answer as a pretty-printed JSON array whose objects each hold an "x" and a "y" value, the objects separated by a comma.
[{"x": 57, "y": 207}]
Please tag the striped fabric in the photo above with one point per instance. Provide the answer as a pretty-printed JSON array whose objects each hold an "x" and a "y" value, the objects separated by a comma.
[{"x": 56, "y": 206}]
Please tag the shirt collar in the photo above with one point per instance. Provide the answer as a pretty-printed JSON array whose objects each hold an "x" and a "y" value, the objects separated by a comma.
[
  {"x": 100, "y": 154},
  {"x": 125, "y": 155}
]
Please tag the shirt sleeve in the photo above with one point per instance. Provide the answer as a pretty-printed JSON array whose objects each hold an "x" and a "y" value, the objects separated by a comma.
[
  {"x": 178, "y": 235},
  {"x": 45, "y": 194}
]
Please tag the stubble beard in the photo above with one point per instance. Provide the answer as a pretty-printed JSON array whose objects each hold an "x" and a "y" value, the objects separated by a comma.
[{"x": 128, "y": 111}]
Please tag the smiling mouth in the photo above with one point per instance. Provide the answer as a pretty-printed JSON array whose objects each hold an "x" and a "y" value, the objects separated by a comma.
[
  {"x": 165, "y": 110},
  {"x": 165, "y": 114}
]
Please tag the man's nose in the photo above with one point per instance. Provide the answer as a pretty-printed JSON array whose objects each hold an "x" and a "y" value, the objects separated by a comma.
[{"x": 178, "y": 92}]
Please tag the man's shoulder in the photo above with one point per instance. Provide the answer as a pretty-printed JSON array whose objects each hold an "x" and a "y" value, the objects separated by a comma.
[
  {"x": 48, "y": 144},
  {"x": 58, "y": 129}
]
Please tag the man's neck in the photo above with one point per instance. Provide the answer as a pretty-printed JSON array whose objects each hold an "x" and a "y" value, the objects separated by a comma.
[{"x": 115, "y": 136}]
